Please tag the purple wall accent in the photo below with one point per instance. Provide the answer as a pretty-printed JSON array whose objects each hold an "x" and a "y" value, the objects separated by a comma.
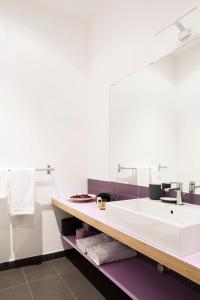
[
  {"x": 191, "y": 198},
  {"x": 127, "y": 191},
  {"x": 100, "y": 186},
  {"x": 143, "y": 192},
  {"x": 122, "y": 191},
  {"x": 118, "y": 191}
]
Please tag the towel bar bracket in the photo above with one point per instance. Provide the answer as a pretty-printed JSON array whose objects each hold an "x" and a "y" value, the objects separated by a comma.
[{"x": 48, "y": 169}]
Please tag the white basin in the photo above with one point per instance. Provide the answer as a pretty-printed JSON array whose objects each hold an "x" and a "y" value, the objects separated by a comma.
[{"x": 169, "y": 226}]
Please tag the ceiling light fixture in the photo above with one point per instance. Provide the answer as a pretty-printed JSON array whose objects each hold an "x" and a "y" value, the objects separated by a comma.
[{"x": 185, "y": 32}]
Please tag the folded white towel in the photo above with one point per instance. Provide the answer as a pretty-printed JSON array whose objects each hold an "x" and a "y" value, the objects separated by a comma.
[
  {"x": 109, "y": 252},
  {"x": 90, "y": 241},
  {"x": 22, "y": 192},
  {"x": 3, "y": 184}
]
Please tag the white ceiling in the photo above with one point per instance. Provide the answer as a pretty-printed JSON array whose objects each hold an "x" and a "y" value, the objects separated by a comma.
[{"x": 86, "y": 9}]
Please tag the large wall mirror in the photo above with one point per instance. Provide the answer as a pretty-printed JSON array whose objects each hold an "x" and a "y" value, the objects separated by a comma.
[{"x": 155, "y": 119}]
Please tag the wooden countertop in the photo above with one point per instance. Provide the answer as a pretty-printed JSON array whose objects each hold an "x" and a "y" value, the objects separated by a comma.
[{"x": 188, "y": 266}]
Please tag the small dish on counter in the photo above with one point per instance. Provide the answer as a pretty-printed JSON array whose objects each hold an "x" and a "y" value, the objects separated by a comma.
[
  {"x": 168, "y": 199},
  {"x": 82, "y": 198}
]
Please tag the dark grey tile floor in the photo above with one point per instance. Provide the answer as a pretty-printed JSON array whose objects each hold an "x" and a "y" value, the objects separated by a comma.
[{"x": 54, "y": 280}]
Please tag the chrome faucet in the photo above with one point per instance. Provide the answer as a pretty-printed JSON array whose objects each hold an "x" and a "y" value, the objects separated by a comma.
[
  {"x": 179, "y": 190},
  {"x": 193, "y": 187}
]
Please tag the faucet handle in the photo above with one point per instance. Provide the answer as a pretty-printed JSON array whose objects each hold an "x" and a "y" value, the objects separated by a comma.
[
  {"x": 175, "y": 182},
  {"x": 192, "y": 187},
  {"x": 179, "y": 185}
]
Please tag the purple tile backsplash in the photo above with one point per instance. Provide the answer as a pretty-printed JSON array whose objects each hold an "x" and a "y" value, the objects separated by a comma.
[
  {"x": 105, "y": 185},
  {"x": 191, "y": 198},
  {"x": 118, "y": 191},
  {"x": 125, "y": 197},
  {"x": 127, "y": 189},
  {"x": 122, "y": 191},
  {"x": 99, "y": 186},
  {"x": 143, "y": 191}
]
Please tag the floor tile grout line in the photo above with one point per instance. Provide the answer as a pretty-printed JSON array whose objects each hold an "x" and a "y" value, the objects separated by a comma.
[
  {"x": 63, "y": 281},
  {"x": 68, "y": 272},
  {"x": 38, "y": 279},
  {"x": 13, "y": 286},
  {"x": 29, "y": 288},
  {"x": 42, "y": 278}
]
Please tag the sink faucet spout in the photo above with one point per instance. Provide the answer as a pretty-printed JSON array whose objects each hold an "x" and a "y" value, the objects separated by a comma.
[{"x": 179, "y": 190}]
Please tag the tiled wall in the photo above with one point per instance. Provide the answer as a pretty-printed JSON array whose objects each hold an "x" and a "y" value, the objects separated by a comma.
[
  {"x": 122, "y": 191},
  {"x": 118, "y": 191}
]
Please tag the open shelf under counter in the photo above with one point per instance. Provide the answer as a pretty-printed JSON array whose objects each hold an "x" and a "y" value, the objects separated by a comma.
[
  {"x": 140, "y": 279},
  {"x": 135, "y": 274}
]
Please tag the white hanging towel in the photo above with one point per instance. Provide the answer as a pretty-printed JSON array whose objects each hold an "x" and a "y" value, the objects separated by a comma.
[
  {"x": 155, "y": 175},
  {"x": 90, "y": 241},
  {"x": 109, "y": 252},
  {"x": 3, "y": 184},
  {"x": 143, "y": 176},
  {"x": 22, "y": 192}
]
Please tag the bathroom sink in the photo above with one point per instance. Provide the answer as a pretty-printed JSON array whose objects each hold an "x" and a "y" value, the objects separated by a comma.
[{"x": 171, "y": 227}]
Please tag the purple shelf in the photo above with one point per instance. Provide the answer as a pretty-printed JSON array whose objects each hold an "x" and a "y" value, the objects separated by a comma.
[{"x": 140, "y": 280}]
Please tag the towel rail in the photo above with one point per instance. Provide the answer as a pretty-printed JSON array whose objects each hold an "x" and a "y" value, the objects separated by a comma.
[
  {"x": 48, "y": 169},
  {"x": 120, "y": 168}
]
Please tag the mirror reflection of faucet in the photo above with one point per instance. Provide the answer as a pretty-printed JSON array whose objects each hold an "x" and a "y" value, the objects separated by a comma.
[{"x": 193, "y": 187}]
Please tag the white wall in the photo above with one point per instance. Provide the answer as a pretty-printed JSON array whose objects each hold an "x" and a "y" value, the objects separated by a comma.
[
  {"x": 43, "y": 90},
  {"x": 122, "y": 41}
]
